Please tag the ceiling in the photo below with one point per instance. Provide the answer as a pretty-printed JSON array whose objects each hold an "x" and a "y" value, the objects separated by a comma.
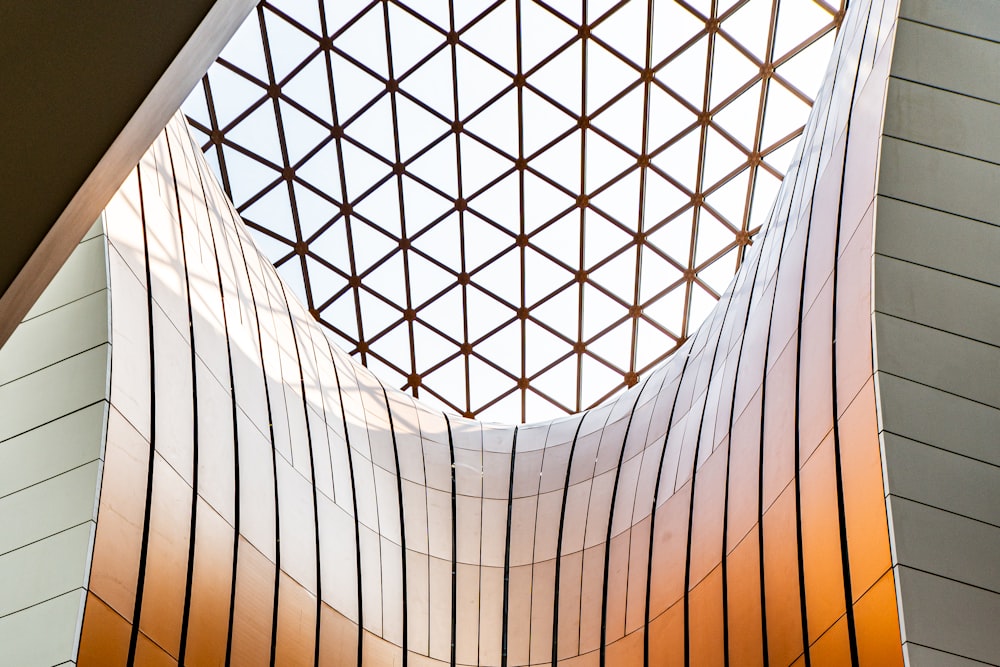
[{"x": 512, "y": 209}]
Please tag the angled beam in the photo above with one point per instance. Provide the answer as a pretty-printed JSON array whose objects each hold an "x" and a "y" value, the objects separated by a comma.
[{"x": 87, "y": 87}]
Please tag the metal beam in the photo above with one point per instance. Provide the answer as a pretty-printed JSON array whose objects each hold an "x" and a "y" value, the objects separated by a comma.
[{"x": 86, "y": 87}]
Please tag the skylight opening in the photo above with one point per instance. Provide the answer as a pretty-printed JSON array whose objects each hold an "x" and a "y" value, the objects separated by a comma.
[{"x": 515, "y": 210}]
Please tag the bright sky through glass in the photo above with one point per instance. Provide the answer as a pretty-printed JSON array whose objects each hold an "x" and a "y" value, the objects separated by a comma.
[{"x": 513, "y": 209}]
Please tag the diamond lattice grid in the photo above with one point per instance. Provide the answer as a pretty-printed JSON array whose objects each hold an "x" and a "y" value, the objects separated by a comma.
[{"x": 513, "y": 209}]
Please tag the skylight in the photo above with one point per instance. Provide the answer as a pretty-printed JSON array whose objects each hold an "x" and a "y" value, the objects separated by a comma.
[{"x": 512, "y": 209}]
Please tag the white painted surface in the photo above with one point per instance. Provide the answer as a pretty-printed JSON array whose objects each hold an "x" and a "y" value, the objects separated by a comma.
[{"x": 53, "y": 415}]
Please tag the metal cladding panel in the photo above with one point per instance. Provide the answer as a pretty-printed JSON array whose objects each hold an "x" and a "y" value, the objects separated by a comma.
[
  {"x": 53, "y": 421},
  {"x": 266, "y": 500},
  {"x": 935, "y": 306}
]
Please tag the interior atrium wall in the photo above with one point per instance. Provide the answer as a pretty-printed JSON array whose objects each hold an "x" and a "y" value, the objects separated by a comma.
[
  {"x": 936, "y": 324},
  {"x": 263, "y": 499},
  {"x": 282, "y": 506},
  {"x": 53, "y": 410}
]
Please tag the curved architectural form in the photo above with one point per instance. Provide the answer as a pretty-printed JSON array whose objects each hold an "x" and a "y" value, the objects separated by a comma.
[{"x": 215, "y": 484}]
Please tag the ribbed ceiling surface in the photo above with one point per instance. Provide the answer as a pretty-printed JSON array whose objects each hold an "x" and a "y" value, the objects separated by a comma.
[{"x": 511, "y": 208}]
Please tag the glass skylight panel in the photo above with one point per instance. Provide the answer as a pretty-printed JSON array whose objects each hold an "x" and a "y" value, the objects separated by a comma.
[{"x": 511, "y": 209}]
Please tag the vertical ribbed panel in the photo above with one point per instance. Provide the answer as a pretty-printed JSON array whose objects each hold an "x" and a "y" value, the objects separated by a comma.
[{"x": 275, "y": 504}]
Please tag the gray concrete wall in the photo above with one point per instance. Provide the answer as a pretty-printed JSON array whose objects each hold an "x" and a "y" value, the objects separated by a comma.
[
  {"x": 53, "y": 412},
  {"x": 937, "y": 328}
]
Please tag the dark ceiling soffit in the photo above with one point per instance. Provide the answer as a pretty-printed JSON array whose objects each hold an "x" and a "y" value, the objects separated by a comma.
[{"x": 27, "y": 265}]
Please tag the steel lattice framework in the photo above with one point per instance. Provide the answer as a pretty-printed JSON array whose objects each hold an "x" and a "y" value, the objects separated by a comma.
[{"x": 513, "y": 208}]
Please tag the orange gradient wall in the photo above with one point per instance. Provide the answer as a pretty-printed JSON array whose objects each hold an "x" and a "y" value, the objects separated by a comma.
[{"x": 266, "y": 501}]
